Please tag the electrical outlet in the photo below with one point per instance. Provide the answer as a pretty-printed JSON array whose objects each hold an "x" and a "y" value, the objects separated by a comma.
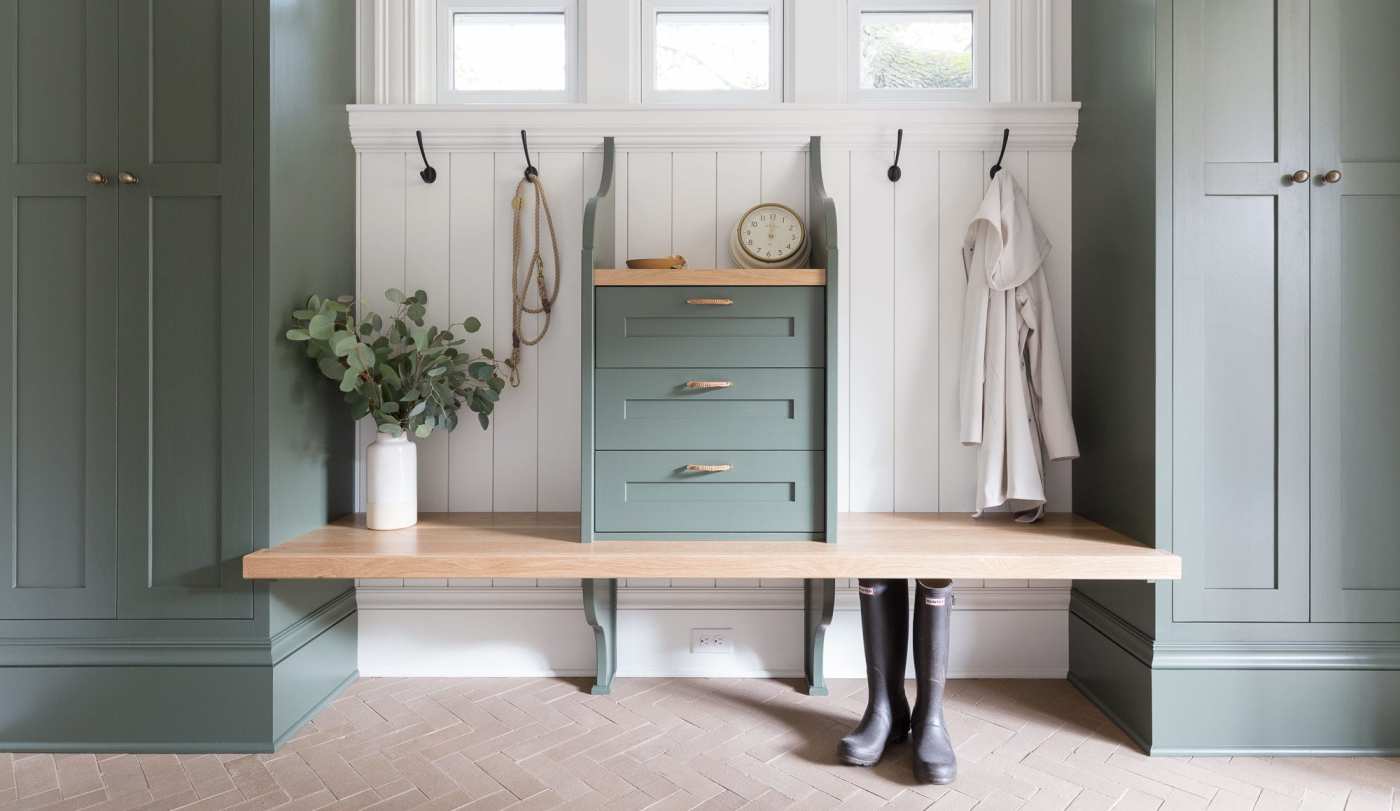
[{"x": 711, "y": 640}]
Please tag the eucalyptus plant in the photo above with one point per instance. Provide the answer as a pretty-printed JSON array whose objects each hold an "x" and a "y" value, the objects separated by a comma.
[{"x": 408, "y": 376}]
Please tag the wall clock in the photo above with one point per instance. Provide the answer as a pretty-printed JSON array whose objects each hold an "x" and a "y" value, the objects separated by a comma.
[{"x": 770, "y": 235}]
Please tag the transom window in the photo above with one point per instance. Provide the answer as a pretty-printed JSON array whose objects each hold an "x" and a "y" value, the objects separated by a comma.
[
  {"x": 499, "y": 51},
  {"x": 719, "y": 51},
  {"x": 917, "y": 49}
]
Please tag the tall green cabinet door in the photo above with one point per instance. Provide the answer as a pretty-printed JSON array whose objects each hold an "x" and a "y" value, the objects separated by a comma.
[
  {"x": 1356, "y": 293},
  {"x": 58, "y": 232},
  {"x": 1240, "y": 310},
  {"x": 186, "y": 327}
]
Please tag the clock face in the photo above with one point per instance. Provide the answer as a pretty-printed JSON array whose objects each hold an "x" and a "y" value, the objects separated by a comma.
[{"x": 771, "y": 233}]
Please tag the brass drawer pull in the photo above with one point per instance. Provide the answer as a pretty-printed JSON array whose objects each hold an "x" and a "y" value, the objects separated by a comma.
[
  {"x": 708, "y": 384},
  {"x": 722, "y": 302},
  {"x": 708, "y": 468}
]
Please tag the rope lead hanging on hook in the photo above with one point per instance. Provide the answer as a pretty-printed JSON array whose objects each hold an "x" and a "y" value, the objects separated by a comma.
[{"x": 535, "y": 270}]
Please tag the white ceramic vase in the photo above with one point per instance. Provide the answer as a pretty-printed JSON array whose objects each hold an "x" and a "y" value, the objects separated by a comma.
[{"x": 391, "y": 482}]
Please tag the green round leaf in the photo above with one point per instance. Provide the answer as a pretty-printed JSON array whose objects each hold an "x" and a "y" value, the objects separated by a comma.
[
  {"x": 298, "y": 335},
  {"x": 394, "y": 294},
  {"x": 472, "y": 324}
]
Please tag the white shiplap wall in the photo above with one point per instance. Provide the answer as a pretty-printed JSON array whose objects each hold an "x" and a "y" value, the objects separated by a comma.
[{"x": 902, "y": 281}]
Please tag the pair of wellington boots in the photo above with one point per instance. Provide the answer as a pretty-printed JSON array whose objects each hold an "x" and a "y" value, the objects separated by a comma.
[{"x": 884, "y": 618}]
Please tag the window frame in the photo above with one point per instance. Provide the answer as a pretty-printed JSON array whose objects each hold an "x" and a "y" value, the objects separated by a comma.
[
  {"x": 981, "y": 52},
  {"x": 448, "y": 94},
  {"x": 777, "y": 52}
]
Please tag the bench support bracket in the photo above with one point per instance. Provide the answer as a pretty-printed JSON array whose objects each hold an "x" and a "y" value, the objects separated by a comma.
[
  {"x": 600, "y": 610},
  {"x": 818, "y": 602}
]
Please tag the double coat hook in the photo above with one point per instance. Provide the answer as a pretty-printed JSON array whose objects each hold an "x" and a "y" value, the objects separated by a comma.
[
  {"x": 429, "y": 174},
  {"x": 894, "y": 174},
  {"x": 530, "y": 171}
]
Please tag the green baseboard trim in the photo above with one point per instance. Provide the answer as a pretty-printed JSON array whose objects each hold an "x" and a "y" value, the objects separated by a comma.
[
  {"x": 1108, "y": 710},
  {"x": 305, "y": 630},
  {"x": 296, "y": 725},
  {"x": 1274, "y": 751},
  {"x": 1309, "y": 655},
  {"x": 1113, "y": 627},
  {"x": 137, "y": 748}
]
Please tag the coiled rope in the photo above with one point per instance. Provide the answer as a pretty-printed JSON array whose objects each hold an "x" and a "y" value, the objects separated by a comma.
[{"x": 535, "y": 271}]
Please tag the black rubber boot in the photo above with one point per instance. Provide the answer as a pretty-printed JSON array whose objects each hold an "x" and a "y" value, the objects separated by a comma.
[
  {"x": 884, "y": 623},
  {"x": 934, "y": 761}
]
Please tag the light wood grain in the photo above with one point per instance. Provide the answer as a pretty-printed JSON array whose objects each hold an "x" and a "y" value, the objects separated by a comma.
[
  {"x": 950, "y": 545},
  {"x": 732, "y": 277}
]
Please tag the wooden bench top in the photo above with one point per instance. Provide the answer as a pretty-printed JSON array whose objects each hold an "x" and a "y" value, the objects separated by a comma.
[{"x": 943, "y": 545}]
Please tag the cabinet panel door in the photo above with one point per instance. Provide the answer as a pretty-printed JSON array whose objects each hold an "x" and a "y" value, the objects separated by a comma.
[
  {"x": 185, "y": 308},
  {"x": 1356, "y": 292},
  {"x": 58, "y": 63},
  {"x": 1240, "y": 311}
]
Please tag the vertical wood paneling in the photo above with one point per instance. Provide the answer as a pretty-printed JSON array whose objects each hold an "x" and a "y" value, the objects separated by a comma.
[
  {"x": 471, "y": 237},
  {"x": 516, "y": 420},
  {"x": 559, "y": 355},
  {"x": 916, "y": 327},
  {"x": 960, "y": 189},
  {"x": 836, "y": 176},
  {"x": 738, "y": 188},
  {"x": 1050, "y": 178},
  {"x": 648, "y": 205},
  {"x": 382, "y": 240},
  {"x": 693, "y": 208},
  {"x": 872, "y": 334},
  {"x": 427, "y": 268},
  {"x": 784, "y": 180}
]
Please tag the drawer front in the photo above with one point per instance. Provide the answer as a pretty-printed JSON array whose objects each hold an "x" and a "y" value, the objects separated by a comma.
[
  {"x": 661, "y": 409},
  {"x": 763, "y": 491},
  {"x": 693, "y": 326}
]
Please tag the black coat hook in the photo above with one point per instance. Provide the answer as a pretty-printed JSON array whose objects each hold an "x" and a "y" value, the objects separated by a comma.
[
  {"x": 429, "y": 174},
  {"x": 894, "y": 174},
  {"x": 1005, "y": 136},
  {"x": 530, "y": 171}
]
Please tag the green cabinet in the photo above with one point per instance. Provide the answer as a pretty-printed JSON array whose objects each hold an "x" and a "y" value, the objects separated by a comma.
[
  {"x": 709, "y": 410},
  {"x": 154, "y": 155},
  {"x": 59, "y": 270},
  {"x": 1236, "y": 212}
]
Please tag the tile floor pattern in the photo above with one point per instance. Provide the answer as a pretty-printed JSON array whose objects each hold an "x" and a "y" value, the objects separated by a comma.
[{"x": 683, "y": 743}]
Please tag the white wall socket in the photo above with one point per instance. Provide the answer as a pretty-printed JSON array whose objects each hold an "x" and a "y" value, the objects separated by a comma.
[{"x": 711, "y": 640}]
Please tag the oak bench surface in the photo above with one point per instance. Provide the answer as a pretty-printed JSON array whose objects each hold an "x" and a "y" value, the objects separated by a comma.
[{"x": 944, "y": 545}]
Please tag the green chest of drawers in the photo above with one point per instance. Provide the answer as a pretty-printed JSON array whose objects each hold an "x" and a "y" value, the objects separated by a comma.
[{"x": 708, "y": 408}]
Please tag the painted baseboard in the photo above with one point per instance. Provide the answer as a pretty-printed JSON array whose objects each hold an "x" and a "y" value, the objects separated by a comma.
[{"x": 463, "y": 632}]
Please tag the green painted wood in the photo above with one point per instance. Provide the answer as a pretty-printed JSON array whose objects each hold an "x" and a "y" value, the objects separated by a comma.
[
  {"x": 185, "y": 310},
  {"x": 818, "y": 604},
  {"x": 825, "y": 253},
  {"x": 1355, "y": 237},
  {"x": 57, "y": 469},
  {"x": 652, "y": 409},
  {"x": 765, "y": 326},
  {"x": 600, "y": 612},
  {"x": 599, "y": 237},
  {"x": 766, "y": 491},
  {"x": 1240, "y": 311}
]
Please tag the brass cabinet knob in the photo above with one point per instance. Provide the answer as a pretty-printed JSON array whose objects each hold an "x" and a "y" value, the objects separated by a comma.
[
  {"x": 708, "y": 468},
  {"x": 1332, "y": 176},
  {"x": 1300, "y": 176},
  {"x": 128, "y": 179},
  {"x": 96, "y": 178}
]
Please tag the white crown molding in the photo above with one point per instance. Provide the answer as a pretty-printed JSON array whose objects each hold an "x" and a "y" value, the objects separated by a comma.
[
  {"x": 678, "y": 599},
  {"x": 391, "y": 128}
]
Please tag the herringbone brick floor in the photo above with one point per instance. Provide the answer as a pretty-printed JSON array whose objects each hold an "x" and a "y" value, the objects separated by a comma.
[{"x": 440, "y": 744}]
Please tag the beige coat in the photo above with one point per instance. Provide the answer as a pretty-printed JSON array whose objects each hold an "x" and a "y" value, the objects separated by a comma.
[{"x": 1011, "y": 390}]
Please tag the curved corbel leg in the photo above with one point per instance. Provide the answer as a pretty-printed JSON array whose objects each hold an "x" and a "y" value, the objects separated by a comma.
[
  {"x": 819, "y": 599},
  {"x": 600, "y": 610}
]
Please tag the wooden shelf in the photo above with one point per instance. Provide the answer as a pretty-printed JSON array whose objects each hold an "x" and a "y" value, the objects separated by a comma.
[
  {"x": 691, "y": 277},
  {"x": 893, "y": 545}
]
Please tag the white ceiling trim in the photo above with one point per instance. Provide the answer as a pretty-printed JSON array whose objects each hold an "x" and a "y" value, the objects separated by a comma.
[{"x": 391, "y": 128}]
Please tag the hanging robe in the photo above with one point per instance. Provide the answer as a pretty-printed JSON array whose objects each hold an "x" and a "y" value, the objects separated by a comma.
[{"x": 1011, "y": 389}]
